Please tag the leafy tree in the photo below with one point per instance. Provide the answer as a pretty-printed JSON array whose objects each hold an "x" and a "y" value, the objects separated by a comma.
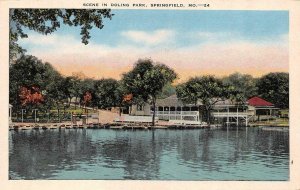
[
  {"x": 31, "y": 74},
  {"x": 47, "y": 21},
  {"x": 56, "y": 93},
  {"x": 71, "y": 84},
  {"x": 146, "y": 81},
  {"x": 76, "y": 88},
  {"x": 244, "y": 85},
  {"x": 105, "y": 91},
  {"x": 207, "y": 89},
  {"x": 87, "y": 98},
  {"x": 274, "y": 87},
  {"x": 31, "y": 95},
  {"x": 167, "y": 91},
  {"x": 123, "y": 97},
  {"x": 86, "y": 85}
]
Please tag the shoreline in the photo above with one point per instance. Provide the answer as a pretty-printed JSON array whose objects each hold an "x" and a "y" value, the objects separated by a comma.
[{"x": 134, "y": 126}]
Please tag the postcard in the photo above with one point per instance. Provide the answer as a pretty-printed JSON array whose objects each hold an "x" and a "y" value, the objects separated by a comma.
[{"x": 156, "y": 95}]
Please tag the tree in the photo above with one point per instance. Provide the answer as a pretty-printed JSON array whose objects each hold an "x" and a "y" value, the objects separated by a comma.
[
  {"x": 87, "y": 98},
  {"x": 123, "y": 97},
  {"x": 168, "y": 90},
  {"x": 86, "y": 85},
  {"x": 29, "y": 76},
  {"x": 244, "y": 85},
  {"x": 47, "y": 21},
  {"x": 105, "y": 93},
  {"x": 56, "y": 93},
  {"x": 30, "y": 95},
  {"x": 207, "y": 89},
  {"x": 146, "y": 81},
  {"x": 274, "y": 87},
  {"x": 76, "y": 83},
  {"x": 71, "y": 84}
]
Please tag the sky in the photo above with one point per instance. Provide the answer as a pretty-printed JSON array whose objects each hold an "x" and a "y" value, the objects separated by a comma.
[{"x": 193, "y": 43}]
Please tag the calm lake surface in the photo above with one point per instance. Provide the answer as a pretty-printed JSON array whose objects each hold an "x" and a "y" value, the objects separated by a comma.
[{"x": 200, "y": 154}]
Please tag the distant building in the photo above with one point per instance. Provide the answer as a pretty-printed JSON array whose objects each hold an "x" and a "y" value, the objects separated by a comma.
[
  {"x": 172, "y": 108},
  {"x": 262, "y": 109}
]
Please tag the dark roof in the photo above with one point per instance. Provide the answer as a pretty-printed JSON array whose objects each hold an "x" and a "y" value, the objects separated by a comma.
[
  {"x": 169, "y": 101},
  {"x": 259, "y": 102}
]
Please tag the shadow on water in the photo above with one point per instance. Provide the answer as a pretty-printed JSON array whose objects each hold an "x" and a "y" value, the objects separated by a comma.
[{"x": 161, "y": 154}]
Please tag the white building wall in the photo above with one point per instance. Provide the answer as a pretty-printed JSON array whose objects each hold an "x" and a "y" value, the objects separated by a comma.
[{"x": 145, "y": 110}]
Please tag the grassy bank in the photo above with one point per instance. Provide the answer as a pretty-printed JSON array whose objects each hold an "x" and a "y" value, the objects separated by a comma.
[
  {"x": 280, "y": 122},
  {"x": 53, "y": 115}
]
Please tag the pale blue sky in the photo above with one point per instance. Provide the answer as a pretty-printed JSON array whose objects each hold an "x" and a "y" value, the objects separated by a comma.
[
  {"x": 194, "y": 37},
  {"x": 248, "y": 25}
]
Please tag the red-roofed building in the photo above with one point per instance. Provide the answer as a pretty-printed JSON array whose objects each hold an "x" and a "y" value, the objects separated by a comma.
[
  {"x": 224, "y": 111},
  {"x": 259, "y": 102},
  {"x": 262, "y": 108}
]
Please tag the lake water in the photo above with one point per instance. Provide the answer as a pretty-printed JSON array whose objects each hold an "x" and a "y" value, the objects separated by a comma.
[{"x": 200, "y": 154}]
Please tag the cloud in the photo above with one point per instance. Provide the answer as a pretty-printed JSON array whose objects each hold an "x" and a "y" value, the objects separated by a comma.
[
  {"x": 156, "y": 37},
  {"x": 69, "y": 55},
  {"x": 215, "y": 36}
]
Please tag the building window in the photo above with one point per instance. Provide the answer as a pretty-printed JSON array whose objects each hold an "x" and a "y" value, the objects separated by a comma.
[
  {"x": 140, "y": 107},
  {"x": 194, "y": 108}
]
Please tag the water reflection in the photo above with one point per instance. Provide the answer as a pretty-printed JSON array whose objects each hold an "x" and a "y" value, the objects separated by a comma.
[{"x": 163, "y": 154}]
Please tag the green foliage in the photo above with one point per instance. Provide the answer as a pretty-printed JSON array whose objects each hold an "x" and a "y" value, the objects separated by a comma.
[
  {"x": 85, "y": 85},
  {"x": 207, "y": 89},
  {"x": 56, "y": 91},
  {"x": 147, "y": 80},
  {"x": 274, "y": 87},
  {"x": 168, "y": 90},
  {"x": 244, "y": 85},
  {"x": 71, "y": 84},
  {"x": 28, "y": 71},
  {"x": 106, "y": 93},
  {"x": 47, "y": 21},
  {"x": 133, "y": 80}
]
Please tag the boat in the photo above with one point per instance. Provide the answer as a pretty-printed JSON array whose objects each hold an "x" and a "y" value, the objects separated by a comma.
[
  {"x": 53, "y": 126},
  {"x": 68, "y": 126},
  {"x": 36, "y": 127},
  {"x": 45, "y": 127},
  {"x": 25, "y": 127}
]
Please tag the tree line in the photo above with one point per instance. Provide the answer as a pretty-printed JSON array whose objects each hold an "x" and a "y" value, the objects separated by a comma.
[
  {"x": 37, "y": 85},
  {"x": 34, "y": 84}
]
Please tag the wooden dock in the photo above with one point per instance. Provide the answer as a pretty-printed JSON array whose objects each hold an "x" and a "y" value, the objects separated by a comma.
[{"x": 114, "y": 126}]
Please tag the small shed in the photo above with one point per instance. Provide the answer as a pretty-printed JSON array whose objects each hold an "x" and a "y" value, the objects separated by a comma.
[{"x": 262, "y": 108}]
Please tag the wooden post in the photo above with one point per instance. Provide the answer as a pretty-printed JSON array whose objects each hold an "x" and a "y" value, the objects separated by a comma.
[
  {"x": 237, "y": 116},
  {"x": 227, "y": 116},
  {"x": 72, "y": 119},
  {"x": 181, "y": 113}
]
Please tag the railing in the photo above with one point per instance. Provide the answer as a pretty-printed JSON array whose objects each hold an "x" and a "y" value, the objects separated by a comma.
[
  {"x": 129, "y": 118},
  {"x": 232, "y": 114},
  {"x": 193, "y": 113},
  {"x": 185, "y": 122}
]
